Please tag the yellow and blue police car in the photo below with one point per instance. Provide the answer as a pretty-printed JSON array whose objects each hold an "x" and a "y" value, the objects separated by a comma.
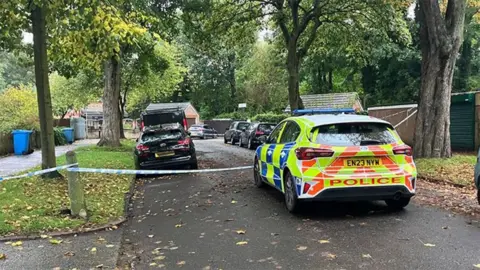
[{"x": 336, "y": 157}]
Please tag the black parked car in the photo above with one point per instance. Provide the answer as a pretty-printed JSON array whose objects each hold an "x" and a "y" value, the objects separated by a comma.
[
  {"x": 164, "y": 147},
  {"x": 250, "y": 137},
  {"x": 232, "y": 134}
]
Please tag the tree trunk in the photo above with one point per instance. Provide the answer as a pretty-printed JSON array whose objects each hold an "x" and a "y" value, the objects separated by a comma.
[
  {"x": 232, "y": 80},
  {"x": 293, "y": 63},
  {"x": 464, "y": 67},
  {"x": 111, "y": 115},
  {"x": 440, "y": 40},
  {"x": 43, "y": 89},
  {"x": 330, "y": 80}
]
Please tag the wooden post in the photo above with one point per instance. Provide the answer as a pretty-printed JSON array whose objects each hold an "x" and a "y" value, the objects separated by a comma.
[{"x": 76, "y": 191}]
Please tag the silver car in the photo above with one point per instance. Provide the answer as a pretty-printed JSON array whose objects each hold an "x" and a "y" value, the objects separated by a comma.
[{"x": 477, "y": 176}]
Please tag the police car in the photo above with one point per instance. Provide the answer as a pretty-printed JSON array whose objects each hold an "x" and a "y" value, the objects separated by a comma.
[{"x": 336, "y": 157}]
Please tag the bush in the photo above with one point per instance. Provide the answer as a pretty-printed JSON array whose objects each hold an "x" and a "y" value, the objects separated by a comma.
[
  {"x": 18, "y": 109},
  {"x": 269, "y": 117},
  {"x": 233, "y": 115},
  {"x": 60, "y": 138}
]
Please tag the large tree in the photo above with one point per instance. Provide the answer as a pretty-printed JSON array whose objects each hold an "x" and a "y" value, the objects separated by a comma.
[
  {"x": 18, "y": 16},
  {"x": 441, "y": 35},
  {"x": 298, "y": 23}
]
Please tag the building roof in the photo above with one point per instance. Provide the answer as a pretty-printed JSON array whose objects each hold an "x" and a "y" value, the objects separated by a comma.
[
  {"x": 327, "y": 119},
  {"x": 332, "y": 100},
  {"x": 172, "y": 105}
]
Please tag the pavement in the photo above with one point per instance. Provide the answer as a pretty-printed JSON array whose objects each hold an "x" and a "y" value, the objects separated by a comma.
[
  {"x": 221, "y": 221},
  {"x": 14, "y": 164}
]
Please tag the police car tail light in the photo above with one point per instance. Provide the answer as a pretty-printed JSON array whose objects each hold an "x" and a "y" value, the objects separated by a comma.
[
  {"x": 402, "y": 150},
  {"x": 305, "y": 153},
  {"x": 306, "y": 187}
]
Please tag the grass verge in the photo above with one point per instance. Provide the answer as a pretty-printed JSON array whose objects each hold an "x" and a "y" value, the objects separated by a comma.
[
  {"x": 457, "y": 170},
  {"x": 32, "y": 205}
]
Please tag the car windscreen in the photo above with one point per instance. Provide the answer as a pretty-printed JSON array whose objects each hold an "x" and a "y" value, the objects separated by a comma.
[
  {"x": 243, "y": 125},
  {"x": 266, "y": 127},
  {"x": 353, "y": 134},
  {"x": 162, "y": 135}
]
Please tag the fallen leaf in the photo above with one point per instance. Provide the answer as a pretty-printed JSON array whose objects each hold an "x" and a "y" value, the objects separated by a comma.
[
  {"x": 173, "y": 248},
  {"x": 153, "y": 264},
  {"x": 110, "y": 246},
  {"x": 29, "y": 208},
  {"x": 429, "y": 245},
  {"x": 228, "y": 219},
  {"x": 329, "y": 255},
  {"x": 93, "y": 250},
  {"x": 150, "y": 236},
  {"x": 476, "y": 265},
  {"x": 158, "y": 242},
  {"x": 324, "y": 241},
  {"x": 16, "y": 244},
  {"x": 178, "y": 225},
  {"x": 362, "y": 224},
  {"x": 241, "y": 232},
  {"x": 159, "y": 258},
  {"x": 56, "y": 268},
  {"x": 242, "y": 243},
  {"x": 3, "y": 256},
  {"x": 43, "y": 236},
  {"x": 366, "y": 256},
  {"x": 8, "y": 243},
  {"x": 301, "y": 248},
  {"x": 99, "y": 266},
  {"x": 234, "y": 202},
  {"x": 69, "y": 253},
  {"x": 55, "y": 241},
  {"x": 181, "y": 263}
]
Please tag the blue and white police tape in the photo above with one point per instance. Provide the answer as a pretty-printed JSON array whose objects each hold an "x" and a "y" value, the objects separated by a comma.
[
  {"x": 30, "y": 174},
  {"x": 154, "y": 172}
]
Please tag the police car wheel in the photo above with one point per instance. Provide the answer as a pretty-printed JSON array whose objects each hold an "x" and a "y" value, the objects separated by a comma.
[
  {"x": 250, "y": 144},
  {"x": 225, "y": 139},
  {"x": 397, "y": 204},
  {"x": 291, "y": 199},
  {"x": 257, "y": 179}
]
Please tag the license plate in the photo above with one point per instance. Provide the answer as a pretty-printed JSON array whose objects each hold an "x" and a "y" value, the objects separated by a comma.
[
  {"x": 164, "y": 154},
  {"x": 363, "y": 162}
]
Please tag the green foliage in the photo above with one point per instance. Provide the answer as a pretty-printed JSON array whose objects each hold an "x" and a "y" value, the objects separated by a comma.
[
  {"x": 261, "y": 80},
  {"x": 237, "y": 115},
  {"x": 59, "y": 136},
  {"x": 73, "y": 93},
  {"x": 15, "y": 69},
  {"x": 18, "y": 109},
  {"x": 269, "y": 117}
]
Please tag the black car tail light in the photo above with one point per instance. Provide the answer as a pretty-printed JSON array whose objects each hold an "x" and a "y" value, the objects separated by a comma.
[{"x": 183, "y": 144}]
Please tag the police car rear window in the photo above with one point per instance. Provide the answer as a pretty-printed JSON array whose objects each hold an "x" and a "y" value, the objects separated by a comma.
[
  {"x": 162, "y": 135},
  {"x": 353, "y": 134}
]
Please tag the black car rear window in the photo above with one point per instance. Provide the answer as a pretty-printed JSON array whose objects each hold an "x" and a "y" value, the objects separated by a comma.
[
  {"x": 169, "y": 134},
  {"x": 353, "y": 134},
  {"x": 243, "y": 125},
  {"x": 266, "y": 127}
]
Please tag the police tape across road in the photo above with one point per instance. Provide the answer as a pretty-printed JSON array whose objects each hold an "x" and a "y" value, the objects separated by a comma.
[
  {"x": 30, "y": 174},
  {"x": 154, "y": 172},
  {"x": 114, "y": 171}
]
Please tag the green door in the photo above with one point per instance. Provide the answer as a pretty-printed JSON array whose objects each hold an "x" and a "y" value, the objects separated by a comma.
[{"x": 462, "y": 124}]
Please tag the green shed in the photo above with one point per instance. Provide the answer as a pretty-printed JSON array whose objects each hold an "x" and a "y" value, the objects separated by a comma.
[{"x": 462, "y": 121}]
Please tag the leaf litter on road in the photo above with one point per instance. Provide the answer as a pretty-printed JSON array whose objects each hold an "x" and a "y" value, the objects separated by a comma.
[
  {"x": 367, "y": 256},
  {"x": 476, "y": 265},
  {"x": 16, "y": 244},
  {"x": 324, "y": 241},
  {"x": 55, "y": 241},
  {"x": 329, "y": 255},
  {"x": 3, "y": 256},
  {"x": 242, "y": 243},
  {"x": 240, "y": 231},
  {"x": 301, "y": 248}
]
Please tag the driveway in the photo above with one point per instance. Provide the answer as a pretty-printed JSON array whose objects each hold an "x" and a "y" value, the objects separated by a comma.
[
  {"x": 221, "y": 221},
  {"x": 15, "y": 164}
]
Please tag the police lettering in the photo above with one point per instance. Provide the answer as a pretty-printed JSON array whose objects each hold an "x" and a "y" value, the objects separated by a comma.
[{"x": 365, "y": 181}]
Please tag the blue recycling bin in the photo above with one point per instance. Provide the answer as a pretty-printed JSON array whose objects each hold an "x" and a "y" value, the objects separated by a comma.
[
  {"x": 21, "y": 141},
  {"x": 68, "y": 132}
]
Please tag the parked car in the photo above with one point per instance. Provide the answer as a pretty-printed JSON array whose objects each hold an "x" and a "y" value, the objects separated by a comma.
[
  {"x": 202, "y": 131},
  {"x": 336, "y": 157},
  {"x": 250, "y": 137},
  {"x": 477, "y": 176},
  {"x": 232, "y": 133},
  {"x": 164, "y": 147},
  {"x": 151, "y": 118}
]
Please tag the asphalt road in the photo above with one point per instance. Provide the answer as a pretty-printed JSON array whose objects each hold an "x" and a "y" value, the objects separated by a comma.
[{"x": 221, "y": 221}]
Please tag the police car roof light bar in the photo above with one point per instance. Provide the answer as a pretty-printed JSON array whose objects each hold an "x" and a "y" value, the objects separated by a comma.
[{"x": 322, "y": 111}]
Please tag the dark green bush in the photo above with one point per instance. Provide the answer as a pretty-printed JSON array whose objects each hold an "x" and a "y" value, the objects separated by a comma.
[{"x": 60, "y": 138}]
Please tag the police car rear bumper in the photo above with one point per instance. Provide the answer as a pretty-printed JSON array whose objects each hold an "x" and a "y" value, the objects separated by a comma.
[{"x": 363, "y": 193}]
